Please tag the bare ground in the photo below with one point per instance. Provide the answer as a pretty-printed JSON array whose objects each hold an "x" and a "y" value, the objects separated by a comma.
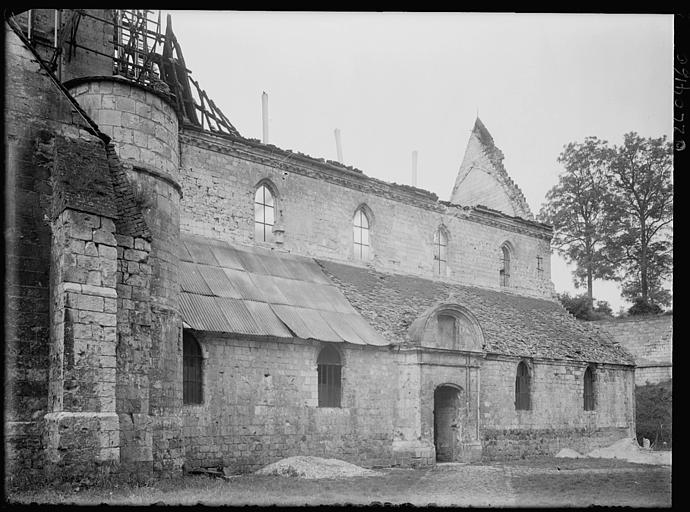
[{"x": 544, "y": 482}]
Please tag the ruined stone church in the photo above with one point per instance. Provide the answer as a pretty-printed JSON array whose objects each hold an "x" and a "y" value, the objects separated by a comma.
[{"x": 181, "y": 296}]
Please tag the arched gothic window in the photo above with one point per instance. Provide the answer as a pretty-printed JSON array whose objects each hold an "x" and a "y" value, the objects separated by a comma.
[
  {"x": 440, "y": 252},
  {"x": 588, "y": 391},
  {"x": 192, "y": 377},
  {"x": 360, "y": 231},
  {"x": 504, "y": 272},
  {"x": 522, "y": 387},
  {"x": 329, "y": 377},
  {"x": 264, "y": 213}
]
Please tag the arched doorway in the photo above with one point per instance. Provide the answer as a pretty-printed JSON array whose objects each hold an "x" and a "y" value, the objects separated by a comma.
[{"x": 446, "y": 422}]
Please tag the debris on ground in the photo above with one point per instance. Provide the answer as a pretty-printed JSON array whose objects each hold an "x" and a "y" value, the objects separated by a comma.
[
  {"x": 219, "y": 472},
  {"x": 567, "y": 453},
  {"x": 314, "y": 467},
  {"x": 628, "y": 449}
]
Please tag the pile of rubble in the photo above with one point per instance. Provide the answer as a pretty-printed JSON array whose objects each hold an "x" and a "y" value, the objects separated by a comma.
[
  {"x": 626, "y": 449},
  {"x": 314, "y": 467}
]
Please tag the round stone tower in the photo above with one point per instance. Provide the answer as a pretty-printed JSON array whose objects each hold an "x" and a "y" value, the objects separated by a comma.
[{"x": 143, "y": 126}]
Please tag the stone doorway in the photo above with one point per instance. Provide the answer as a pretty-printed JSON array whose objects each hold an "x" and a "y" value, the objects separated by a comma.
[{"x": 447, "y": 423}]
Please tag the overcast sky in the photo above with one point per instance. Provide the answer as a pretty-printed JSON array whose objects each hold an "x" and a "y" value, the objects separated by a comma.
[{"x": 397, "y": 82}]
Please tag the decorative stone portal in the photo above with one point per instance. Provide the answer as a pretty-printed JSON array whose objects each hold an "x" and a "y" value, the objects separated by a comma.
[{"x": 448, "y": 422}]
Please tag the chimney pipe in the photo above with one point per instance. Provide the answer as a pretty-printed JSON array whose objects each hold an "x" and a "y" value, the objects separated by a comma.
[
  {"x": 264, "y": 116},
  {"x": 338, "y": 145},
  {"x": 414, "y": 168}
]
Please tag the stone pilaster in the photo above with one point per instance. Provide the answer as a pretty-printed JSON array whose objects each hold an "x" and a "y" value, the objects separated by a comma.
[{"x": 82, "y": 427}]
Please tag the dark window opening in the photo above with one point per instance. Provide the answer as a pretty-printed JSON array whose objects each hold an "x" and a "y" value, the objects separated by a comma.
[
  {"x": 522, "y": 387},
  {"x": 504, "y": 272},
  {"x": 192, "y": 378},
  {"x": 329, "y": 377},
  {"x": 540, "y": 265},
  {"x": 589, "y": 389}
]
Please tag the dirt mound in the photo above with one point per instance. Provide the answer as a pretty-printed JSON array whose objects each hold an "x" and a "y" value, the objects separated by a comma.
[
  {"x": 313, "y": 467},
  {"x": 628, "y": 449},
  {"x": 567, "y": 453}
]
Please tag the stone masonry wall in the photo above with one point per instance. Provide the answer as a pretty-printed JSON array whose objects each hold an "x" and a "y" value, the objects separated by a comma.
[
  {"x": 36, "y": 113},
  {"x": 260, "y": 405},
  {"x": 143, "y": 126},
  {"x": 141, "y": 123},
  {"x": 134, "y": 356},
  {"x": 482, "y": 179},
  {"x": 82, "y": 428},
  {"x": 557, "y": 418},
  {"x": 316, "y": 213},
  {"x": 650, "y": 341}
]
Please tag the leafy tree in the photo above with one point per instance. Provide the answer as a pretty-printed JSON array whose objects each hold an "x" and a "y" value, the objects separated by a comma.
[
  {"x": 640, "y": 307},
  {"x": 581, "y": 308},
  {"x": 654, "y": 413},
  {"x": 640, "y": 216},
  {"x": 576, "y": 208},
  {"x": 603, "y": 308}
]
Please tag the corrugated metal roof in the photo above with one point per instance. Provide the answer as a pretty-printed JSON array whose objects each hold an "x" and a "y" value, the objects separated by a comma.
[
  {"x": 203, "y": 313},
  {"x": 317, "y": 325},
  {"x": 268, "y": 288},
  {"x": 297, "y": 293},
  {"x": 227, "y": 257},
  {"x": 252, "y": 262},
  {"x": 341, "y": 325},
  {"x": 315, "y": 272},
  {"x": 239, "y": 319},
  {"x": 299, "y": 271},
  {"x": 200, "y": 253},
  {"x": 191, "y": 280},
  {"x": 267, "y": 320},
  {"x": 366, "y": 331},
  {"x": 275, "y": 266},
  {"x": 252, "y": 291},
  {"x": 218, "y": 282},
  {"x": 291, "y": 317},
  {"x": 336, "y": 300},
  {"x": 243, "y": 284},
  {"x": 183, "y": 253}
]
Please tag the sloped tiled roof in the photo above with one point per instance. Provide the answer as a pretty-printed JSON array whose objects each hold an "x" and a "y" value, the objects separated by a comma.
[
  {"x": 254, "y": 291},
  {"x": 512, "y": 324}
]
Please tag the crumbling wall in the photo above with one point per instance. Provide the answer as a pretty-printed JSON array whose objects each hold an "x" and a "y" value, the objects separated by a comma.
[
  {"x": 316, "y": 210},
  {"x": 260, "y": 404},
  {"x": 557, "y": 418},
  {"x": 37, "y": 115}
]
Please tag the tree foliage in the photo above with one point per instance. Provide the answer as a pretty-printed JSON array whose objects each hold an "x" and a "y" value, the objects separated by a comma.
[
  {"x": 612, "y": 213},
  {"x": 576, "y": 208},
  {"x": 641, "y": 215},
  {"x": 653, "y": 413},
  {"x": 640, "y": 307},
  {"x": 581, "y": 308}
]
